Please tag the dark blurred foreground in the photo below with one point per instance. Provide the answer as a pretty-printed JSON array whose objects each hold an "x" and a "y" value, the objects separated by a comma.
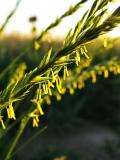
[{"x": 83, "y": 126}]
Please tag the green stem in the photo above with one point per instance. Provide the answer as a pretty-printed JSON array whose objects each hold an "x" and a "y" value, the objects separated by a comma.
[
  {"x": 23, "y": 124},
  {"x": 30, "y": 140}
]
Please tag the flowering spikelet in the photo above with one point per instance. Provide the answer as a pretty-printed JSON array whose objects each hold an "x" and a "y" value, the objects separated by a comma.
[
  {"x": 38, "y": 100},
  {"x": 10, "y": 111}
]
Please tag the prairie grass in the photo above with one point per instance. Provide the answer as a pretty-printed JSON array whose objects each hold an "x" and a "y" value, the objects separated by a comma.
[{"x": 56, "y": 70}]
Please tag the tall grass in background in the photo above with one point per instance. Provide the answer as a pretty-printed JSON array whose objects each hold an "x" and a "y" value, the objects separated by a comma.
[{"x": 58, "y": 71}]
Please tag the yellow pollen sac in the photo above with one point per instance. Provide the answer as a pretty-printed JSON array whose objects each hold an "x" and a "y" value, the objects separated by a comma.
[
  {"x": 106, "y": 73},
  {"x": 63, "y": 90},
  {"x": 48, "y": 101},
  {"x": 58, "y": 97},
  {"x": 10, "y": 112},
  {"x": 85, "y": 49},
  {"x": 118, "y": 69},
  {"x": 75, "y": 85},
  {"x": 35, "y": 123},
  {"x": 105, "y": 42},
  {"x": 53, "y": 76},
  {"x": 50, "y": 84},
  {"x": 37, "y": 119},
  {"x": 77, "y": 58},
  {"x": 93, "y": 77},
  {"x": 99, "y": 72},
  {"x": 83, "y": 52},
  {"x": 76, "y": 61},
  {"x": 71, "y": 90},
  {"x": 49, "y": 91},
  {"x": 66, "y": 73},
  {"x": 81, "y": 84},
  {"x": 111, "y": 68},
  {"x": 58, "y": 84},
  {"x": 2, "y": 123},
  {"x": 45, "y": 88},
  {"x": 40, "y": 108}
]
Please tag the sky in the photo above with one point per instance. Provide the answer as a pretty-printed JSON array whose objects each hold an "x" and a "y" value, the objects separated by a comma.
[{"x": 46, "y": 12}]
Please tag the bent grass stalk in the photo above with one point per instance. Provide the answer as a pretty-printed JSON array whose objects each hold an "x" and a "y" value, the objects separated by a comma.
[
  {"x": 9, "y": 17},
  {"x": 46, "y": 75}
]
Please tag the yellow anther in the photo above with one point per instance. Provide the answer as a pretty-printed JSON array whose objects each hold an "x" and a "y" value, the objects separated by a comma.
[
  {"x": 75, "y": 85},
  {"x": 83, "y": 52},
  {"x": 58, "y": 97},
  {"x": 50, "y": 84},
  {"x": 105, "y": 42},
  {"x": 93, "y": 74},
  {"x": 48, "y": 101},
  {"x": 49, "y": 91},
  {"x": 35, "y": 123},
  {"x": 53, "y": 76},
  {"x": 2, "y": 123},
  {"x": 71, "y": 90},
  {"x": 10, "y": 112},
  {"x": 118, "y": 69},
  {"x": 77, "y": 58},
  {"x": 45, "y": 88},
  {"x": 66, "y": 73},
  {"x": 106, "y": 73},
  {"x": 58, "y": 84},
  {"x": 40, "y": 108}
]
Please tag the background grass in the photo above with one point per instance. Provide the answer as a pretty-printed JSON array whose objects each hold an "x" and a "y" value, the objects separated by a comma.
[{"x": 98, "y": 104}]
